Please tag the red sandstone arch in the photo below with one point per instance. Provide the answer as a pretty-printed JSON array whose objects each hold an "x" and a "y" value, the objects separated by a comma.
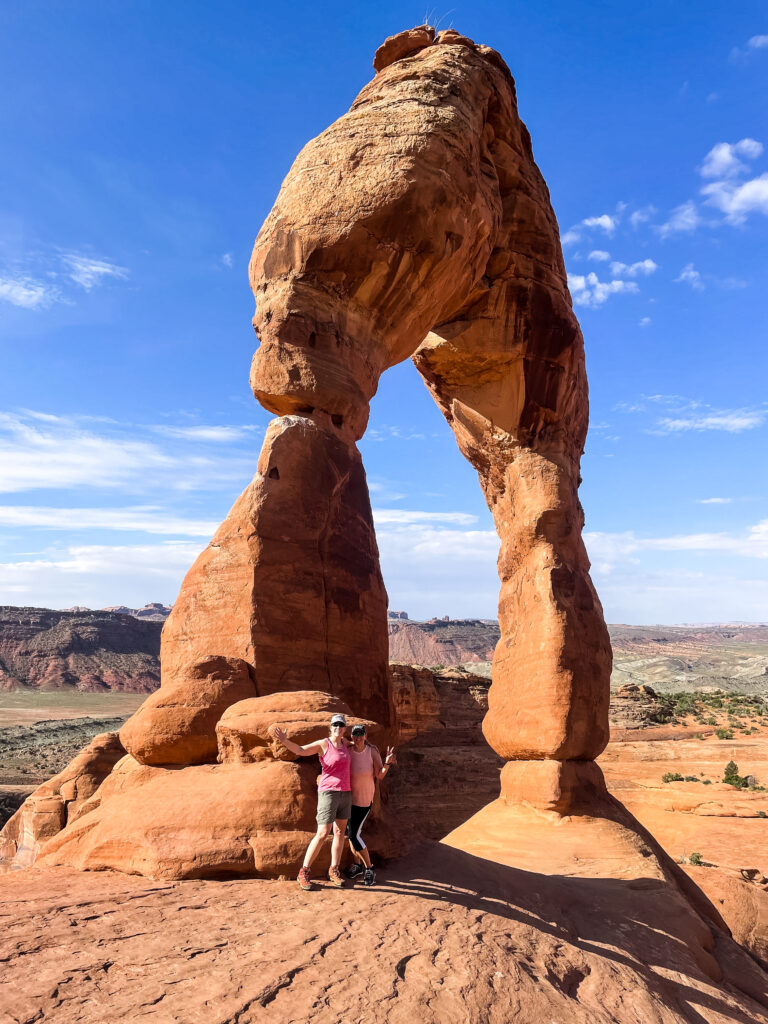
[{"x": 416, "y": 226}]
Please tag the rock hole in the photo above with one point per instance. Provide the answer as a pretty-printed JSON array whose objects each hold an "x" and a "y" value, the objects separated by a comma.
[
  {"x": 312, "y": 339},
  {"x": 337, "y": 420},
  {"x": 268, "y": 316},
  {"x": 273, "y": 473},
  {"x": 305, "y": 410}
]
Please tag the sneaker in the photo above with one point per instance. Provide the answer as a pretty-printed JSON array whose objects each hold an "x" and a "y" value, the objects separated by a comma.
[
  {"x": 354, "y": 870},
  {"x": 305, "y": 879},
  {"x": 370, "y": 877},
  {"x": 334, "y": 877}
]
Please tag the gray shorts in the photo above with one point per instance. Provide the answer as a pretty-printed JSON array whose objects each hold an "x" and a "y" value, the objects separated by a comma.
[{"x": 333, "y": 805}]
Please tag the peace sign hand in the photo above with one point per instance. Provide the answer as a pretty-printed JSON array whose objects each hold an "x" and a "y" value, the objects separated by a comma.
[{"x": 391, "y": 757}]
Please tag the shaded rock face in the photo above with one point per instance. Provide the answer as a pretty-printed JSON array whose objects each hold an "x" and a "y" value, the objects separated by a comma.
[
  {"x": 416, "y": 226},
  {"x": 90, "y": 651}
]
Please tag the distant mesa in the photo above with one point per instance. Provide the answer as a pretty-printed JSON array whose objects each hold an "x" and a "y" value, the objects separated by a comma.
[{"x": 153, "y": 612}]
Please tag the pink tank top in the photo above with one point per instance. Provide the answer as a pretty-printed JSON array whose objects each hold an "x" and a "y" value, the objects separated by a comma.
[{"x": 335, "y": 764}]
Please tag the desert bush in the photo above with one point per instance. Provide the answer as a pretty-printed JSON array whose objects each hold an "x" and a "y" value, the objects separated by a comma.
[
  {"x": 696, "y": 859},
  {"x": 691, "y": 778},
  {"x": 672, "y": 777},
  {"x": 731, "y": 776},
  {"x": 707, "y": 782},
  {"x": 724, "y": 734},
  {"x": 762, "y": 814},
  {"x": 710, "y": 721}
]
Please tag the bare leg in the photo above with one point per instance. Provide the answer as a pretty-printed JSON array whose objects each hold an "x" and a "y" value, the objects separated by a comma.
[
  {"x": 337, "y": 846},
  {"x": 323, "y": 831}
]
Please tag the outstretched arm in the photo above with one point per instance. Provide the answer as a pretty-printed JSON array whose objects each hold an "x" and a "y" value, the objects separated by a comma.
[{"x": 318, "y": 747}]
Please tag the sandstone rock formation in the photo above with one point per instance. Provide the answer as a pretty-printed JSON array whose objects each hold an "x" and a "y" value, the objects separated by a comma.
[
  {"x": 177, "y": 725},
  {"x": 417, "y": 225},
  {"x": 58, "y": 801}
]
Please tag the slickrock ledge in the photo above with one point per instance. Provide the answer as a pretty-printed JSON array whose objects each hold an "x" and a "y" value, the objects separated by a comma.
[{"x": 444, "y": 936}]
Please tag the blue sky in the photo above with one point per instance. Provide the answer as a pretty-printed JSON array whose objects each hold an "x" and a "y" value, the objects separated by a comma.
[{"x": 143, "y": 145}]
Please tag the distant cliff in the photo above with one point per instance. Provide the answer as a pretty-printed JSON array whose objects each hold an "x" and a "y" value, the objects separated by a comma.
[{"x": 81, "y": 650}]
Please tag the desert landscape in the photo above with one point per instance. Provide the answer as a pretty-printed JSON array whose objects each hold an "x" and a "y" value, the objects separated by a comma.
[{"x": 574, "y": 825}]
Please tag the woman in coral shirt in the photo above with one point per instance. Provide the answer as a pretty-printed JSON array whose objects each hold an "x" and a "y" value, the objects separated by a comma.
[{"x": 365, "y": 768}]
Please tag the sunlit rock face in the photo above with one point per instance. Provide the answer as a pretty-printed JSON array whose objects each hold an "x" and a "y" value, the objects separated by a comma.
[{"x": 416, "y": 226}]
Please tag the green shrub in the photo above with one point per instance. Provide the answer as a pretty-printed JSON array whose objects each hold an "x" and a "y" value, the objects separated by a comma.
[
  {"x": 731, "y": 776},
  {"x": 672, "y": 777},
  {"x": 762, "y": 814},
  {"x": 707, "y": 782},
  {"x": 696, "y": 859},
  {"x": 691, "y": 778},
  {"x": 710, "y": 721},
  {"x": 724, "y": 734}
]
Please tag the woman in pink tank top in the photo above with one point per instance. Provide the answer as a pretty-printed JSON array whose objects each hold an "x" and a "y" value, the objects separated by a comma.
[{"x": 334, "y": 797}]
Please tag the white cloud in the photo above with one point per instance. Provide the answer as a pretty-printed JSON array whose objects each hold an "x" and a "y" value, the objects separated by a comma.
[
  {"x": 588, "y": 290},
  {"x": 87, "y": 272},
  {"x": 98, "y": 575},
  {"x": 638, "y": 217},
  {"x": 714, "y": 501},
  {"x": 27, "y": 294},
  {"x": 227, "y": 259},
  {"x": 642, "y": 267},
  {"x": 604, "y": 222},
  {"x": 737, "y": 201},
  {"x": 39, "y": 451},
  {"x": 758, "y": 43},
  {"x": 402, "y": 517},
  {"x": 224, "y": 434},
  {"x": 684, "y": 218},
  {"x": 722, "y": 161},
  {"x": 143, "y": 518},
  {"x": 645, "y": 321},
  {"x": 611, "y": 547},
  {"x": 689, "y": 275},
  {"x": 731, "y": 421},
  {"x": 599, "y": 256}
]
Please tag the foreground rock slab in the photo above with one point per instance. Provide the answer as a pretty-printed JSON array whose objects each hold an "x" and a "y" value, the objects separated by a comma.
[{"x": 444, "y": 936}]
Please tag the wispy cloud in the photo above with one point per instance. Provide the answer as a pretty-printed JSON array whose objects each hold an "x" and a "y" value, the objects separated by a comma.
[
  {"x": 714, "y": 501},
  {"x": 645, "y": 321},
  {"x": 751, "y": 543},
  {"x": 683, "y": 219},
  {"x": 722, "y": 161},
  {"x": 26, "y": 293},
  {"x": 402, "y": 517},
  {"x": 215, "y": 434},
  {"x": 641, "y": 268},
  {"x": 228, "y": 260},
  {"x": 43, "y": 452},
  {"x": 738, "y": 200},
  {"x": 603, "y": 222},
  {"x": 88, "y": 272},
  {"x": 599, "y": 256},
  {"x": 733, "y": 421},
  {"x": 98, "y": 575},
  {"x": 642, "y": 216},
  {"x": 37, "y": 280},
  {"x": 752, "y": 45},
  {"x": 139, "y": 518},
  {"x": 689, "y": 275},
  {"x": 588, "y": 290}
]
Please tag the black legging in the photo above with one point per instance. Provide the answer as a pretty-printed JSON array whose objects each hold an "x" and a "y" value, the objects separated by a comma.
[{"x": 355, "y": 824}]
